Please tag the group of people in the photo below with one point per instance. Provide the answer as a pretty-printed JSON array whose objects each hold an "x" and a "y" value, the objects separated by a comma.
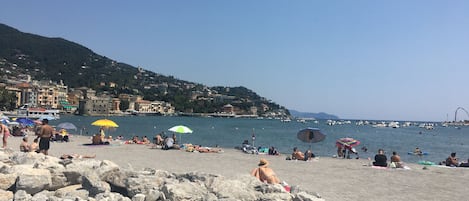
[
  {"x": 381, "y": 160},
  {"x": 453, "y": 161},
  {"x": 26, "y": 147},
  {"x": 298, "y": 155},
  {"x": 346, "y": 152},
  {"x": 165, "y": 142}
]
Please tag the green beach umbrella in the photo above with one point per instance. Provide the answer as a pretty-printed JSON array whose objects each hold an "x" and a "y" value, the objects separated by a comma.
[{"x": 181, "y": 130}]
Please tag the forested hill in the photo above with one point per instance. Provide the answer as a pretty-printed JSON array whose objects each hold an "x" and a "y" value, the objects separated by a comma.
[{"x": 58, "y": 59}]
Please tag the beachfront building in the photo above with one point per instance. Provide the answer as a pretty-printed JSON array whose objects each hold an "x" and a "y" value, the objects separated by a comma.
[
  {"x": 154, "y": 107},
  {"x": 95, "y": 106},
  {"x": 228, "y": 108}
]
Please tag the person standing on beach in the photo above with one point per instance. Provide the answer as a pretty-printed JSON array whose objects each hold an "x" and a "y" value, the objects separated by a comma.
[
  {"x": 45, "y": 133},
  {"x": 5, "y": 133}
]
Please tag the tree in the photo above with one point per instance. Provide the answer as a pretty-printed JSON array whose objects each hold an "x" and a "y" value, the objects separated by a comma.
[
  {"x": 124, "y": 105},
  {"x": 7, "y": 99}
]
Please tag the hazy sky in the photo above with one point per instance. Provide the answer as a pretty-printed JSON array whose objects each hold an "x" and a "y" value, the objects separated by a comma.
[{"x": 392, "y": 60}]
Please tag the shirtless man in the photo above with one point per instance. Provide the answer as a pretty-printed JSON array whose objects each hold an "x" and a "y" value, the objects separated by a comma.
[
  {"x": 45, "y": 133},
  {"x": 264, "y": 173},
  {"x": 452, "y": 160},
  {"x": 297, "y": 155},
  {"x": 396, "y": 159}
]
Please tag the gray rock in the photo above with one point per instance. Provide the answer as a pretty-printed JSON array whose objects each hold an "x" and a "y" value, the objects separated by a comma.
[
  {"x": 143, "y": 184},
  {"x": 242, "y": 189},
  {"x": 187, "y": 191},
  {"x": 153, "y": 195},
  {"x": 33, "y": 180},
  {"x": 22, "y": 195},
  {"x": 304, "y": 196},
  {"x": 6, "y": 195},
  {"x": 94, "y": 185},
  {"x": 111, "y": 197},
  {"x": 4, "y": 157},
  {"x": 138, "y": 197},
  {"x": 43, "y": 196},
  {"x": 7, "y": 181},
  {"x": 72, "y": 191},
  {"x": 23, "y": 158}
]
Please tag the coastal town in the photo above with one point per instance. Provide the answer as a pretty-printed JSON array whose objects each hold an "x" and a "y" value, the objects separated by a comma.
[{"x": 41, "y": 97}]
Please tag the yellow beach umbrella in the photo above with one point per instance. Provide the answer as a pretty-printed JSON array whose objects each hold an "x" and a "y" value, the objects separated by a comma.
[{"x": 105, "y": 123}]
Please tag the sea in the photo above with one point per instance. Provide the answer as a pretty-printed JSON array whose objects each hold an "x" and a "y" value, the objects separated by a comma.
[{"x": 231, "y": 132}]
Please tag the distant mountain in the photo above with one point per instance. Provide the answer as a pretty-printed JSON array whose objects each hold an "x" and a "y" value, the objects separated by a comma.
[
  {"x": 56, "y": 59},
  {"x": 320, "y": 115}
]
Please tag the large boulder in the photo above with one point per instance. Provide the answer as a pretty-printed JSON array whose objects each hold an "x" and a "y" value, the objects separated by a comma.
[
  {"x": 72, "y": 191},
  {"x": 94, "y": 185},
  {"x": 4, "y": 157},
  {"x": 304, "y": 196},
  {"x": 33, "y": 180},
  {"x": 242, "y": 189},
  {"x": 143, "y": 184},
  {"x": 187, "y": 191},
  {"x": 22, "y": 158},
  {"x": 7, "y": 181},
  {"x": 6, "y": 195},
  {"x": 44, "y": 196},
  {"x": 22, "y": 195}
]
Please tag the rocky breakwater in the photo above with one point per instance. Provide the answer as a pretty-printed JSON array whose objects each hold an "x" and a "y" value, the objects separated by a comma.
[{"x": 31, "y": 176}]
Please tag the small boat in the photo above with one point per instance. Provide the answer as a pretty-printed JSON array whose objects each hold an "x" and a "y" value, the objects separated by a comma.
[{"x": 34, "y": 113}]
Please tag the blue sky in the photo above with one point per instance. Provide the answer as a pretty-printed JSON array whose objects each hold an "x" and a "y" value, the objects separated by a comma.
[{"x": 390, "y": 60}]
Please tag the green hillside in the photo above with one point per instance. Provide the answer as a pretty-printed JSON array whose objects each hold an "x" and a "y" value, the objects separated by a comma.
[{"x": 58, "y": 59}]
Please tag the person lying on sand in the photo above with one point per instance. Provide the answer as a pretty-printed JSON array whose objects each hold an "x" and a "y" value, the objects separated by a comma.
[
  {"x": 76, "y": 156},
  {"x": 206, "y": 149}
]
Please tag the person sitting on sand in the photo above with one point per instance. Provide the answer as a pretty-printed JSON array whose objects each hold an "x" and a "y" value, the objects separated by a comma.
[
  {"x": 145, "y": 140},
  {"x": 168, "y": 143},
  {"x": 159, "y": 140},
  {"x": 308, "y": 155},
  {"x": 396, "y": 160},
  {"x": 452, "y": 160},
  {"x": 380, "y": 159},
  {"x": 96, "y": 139},
  {"x": 297, "y": 155},
  {"x": 34, "y": 146},
  {"x": 273, "y": 151},
  {"x": 24, "y": 146},
  {"x": 265, "y": 173},
  {"x": 76, "y": 156}
]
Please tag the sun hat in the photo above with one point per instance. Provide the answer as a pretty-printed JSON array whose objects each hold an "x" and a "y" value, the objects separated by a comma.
[{"x": 263, "y": 162}]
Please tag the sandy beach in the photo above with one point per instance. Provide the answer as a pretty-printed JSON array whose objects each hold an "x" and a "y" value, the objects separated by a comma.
[{"x": 333, "y": 179}]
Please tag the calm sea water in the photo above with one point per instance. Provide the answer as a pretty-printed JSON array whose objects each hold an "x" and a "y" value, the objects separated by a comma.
[{"x": 228, "y": 133}]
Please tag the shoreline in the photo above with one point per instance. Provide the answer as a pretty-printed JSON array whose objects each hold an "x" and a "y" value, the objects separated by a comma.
[{"x": 334, "y": 179}]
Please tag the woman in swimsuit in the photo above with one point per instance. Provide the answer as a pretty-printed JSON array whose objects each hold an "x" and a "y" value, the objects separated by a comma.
[{"x": 264, "y": 173}]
